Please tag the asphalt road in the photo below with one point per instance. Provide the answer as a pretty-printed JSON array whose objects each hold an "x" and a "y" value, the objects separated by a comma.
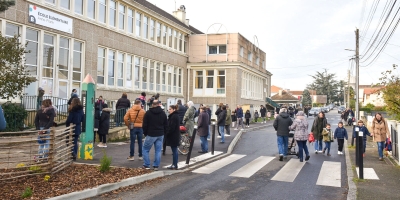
[{"x": 288, "y": 179}]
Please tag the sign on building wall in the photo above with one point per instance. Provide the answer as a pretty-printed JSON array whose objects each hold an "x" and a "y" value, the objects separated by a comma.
[{"x": 49, "y": 19}]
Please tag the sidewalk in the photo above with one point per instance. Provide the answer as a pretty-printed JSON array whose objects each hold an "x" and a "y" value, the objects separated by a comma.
[
  {"x": 120, "y": 151},
  {"x": 387, "y": 171}
]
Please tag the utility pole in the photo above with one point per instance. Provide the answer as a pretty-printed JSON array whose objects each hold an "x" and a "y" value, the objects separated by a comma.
[
  {"x": 348, "y": 89},
  {"x": 357, "y": 77}
]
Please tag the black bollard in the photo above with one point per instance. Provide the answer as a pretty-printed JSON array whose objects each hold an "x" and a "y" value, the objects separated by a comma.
[
  {"x": 355, "y": 134},
  {"x": 360, "y": 156},
  {"x": 213, "y": 138},
  {"x": 191, "y": 144},
  {"x": 352, "y": 136}
]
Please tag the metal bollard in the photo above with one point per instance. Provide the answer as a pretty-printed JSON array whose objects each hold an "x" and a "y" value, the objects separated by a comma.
[
  {"x": 213, "y": 138},
  {"x": 352, "y": 136},
  {"x": 360, "y": 156},
  {"x": 356, "y": 129},
  {"x": 191, "y": 144}
]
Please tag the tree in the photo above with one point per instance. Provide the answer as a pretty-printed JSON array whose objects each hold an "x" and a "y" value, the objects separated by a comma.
[
  {"x": 13, "y": 74},
  {"x": 306, "y": 98},
  {"x": 4, "y": 4},
  {"x": 342, "y": 92},
  {"x": 390, "y": 91},
  {"x": 325, "y": 84}
]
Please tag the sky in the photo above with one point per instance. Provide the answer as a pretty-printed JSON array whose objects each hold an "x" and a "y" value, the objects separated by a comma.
[{"x": 300, "y": 37}]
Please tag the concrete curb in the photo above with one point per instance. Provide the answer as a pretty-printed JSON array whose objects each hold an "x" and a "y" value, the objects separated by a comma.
[
  {"x": 239, "y": 135},
  {"x": 352, "y": 192}
]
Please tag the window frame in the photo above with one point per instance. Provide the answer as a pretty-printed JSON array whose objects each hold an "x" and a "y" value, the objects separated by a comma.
[
  {"x": 121, "y": 16},
  {"x": 112, "y": 10},
  {"x": 217, "y": 52}
]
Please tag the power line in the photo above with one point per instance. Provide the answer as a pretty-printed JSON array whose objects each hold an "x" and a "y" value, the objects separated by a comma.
[
  {"x": 380, "y": 20},
  {"x": 312, "y": 65},
  {"x": 370, "y": 16}
]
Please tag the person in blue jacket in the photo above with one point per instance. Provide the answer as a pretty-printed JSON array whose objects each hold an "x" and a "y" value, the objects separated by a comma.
[
  {"x": 239, "y": 115},
  {"x": 3, "y": 122},
  {"x": 75, "y": 116},
  {"x": 362, "y": 128},
  {"x": 340, "y": 134}
]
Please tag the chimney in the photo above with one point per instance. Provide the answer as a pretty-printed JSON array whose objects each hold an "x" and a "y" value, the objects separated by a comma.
[
  {"x": 181, "y": 15},
  {"x": 280, "y": 92}
]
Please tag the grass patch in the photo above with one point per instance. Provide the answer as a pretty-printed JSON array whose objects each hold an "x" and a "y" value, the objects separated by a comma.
[
  {"x": 105, "y": 163},
  {"x": 351, "y": 147},
  {"x": 27, "y": 193},
  {"x": 357, "y": 180}
]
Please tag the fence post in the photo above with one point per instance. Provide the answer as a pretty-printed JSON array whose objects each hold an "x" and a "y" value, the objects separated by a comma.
[
  {"x": 51, "y": 148},
  {"x": 71, "y": 133}
]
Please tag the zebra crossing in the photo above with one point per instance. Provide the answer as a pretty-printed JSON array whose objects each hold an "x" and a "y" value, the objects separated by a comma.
[{"x": 330, "y": 173}]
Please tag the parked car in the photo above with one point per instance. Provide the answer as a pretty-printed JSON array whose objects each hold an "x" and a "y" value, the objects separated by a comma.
[
  {"x": 341, "y": 109},
  {"x": 325, "y": 109},
  {"x": 314, "y": 111}
]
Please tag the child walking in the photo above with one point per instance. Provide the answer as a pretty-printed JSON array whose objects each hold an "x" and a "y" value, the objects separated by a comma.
[
  {"x": 361, "y": 128},
  {"x": 340, "y": 134},
  {"x": 256, "y": 116},
  {"x": 328, "y": 138},
  {"x": 247, "y": 116}
]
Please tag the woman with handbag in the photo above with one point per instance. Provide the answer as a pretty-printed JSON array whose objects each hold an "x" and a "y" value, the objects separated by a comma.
[
  {"x": 380, "y": 131},
  {"x": 300, "y": 127},
  {"x": 317, "y": 127},
  {"x": 44, "y": 120}
]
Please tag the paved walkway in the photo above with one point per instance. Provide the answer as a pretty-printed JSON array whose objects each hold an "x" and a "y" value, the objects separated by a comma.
[{"x": 120, "y": 151}]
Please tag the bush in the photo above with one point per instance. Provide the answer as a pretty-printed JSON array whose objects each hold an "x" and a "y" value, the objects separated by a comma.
[
  {"x": 379, "y": 108},
  {"x": 27, "y": 193},
  {"x": 370, "y": 106},
  {"x": 105, "y": 163},
  {"x": 365, "y": 109},
  {"x": 15, "y": 116}
]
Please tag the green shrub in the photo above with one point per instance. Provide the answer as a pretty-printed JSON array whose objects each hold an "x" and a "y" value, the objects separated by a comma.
[
  {"x": 370, "y": 106},
  {"x": 27, "y": 193},
  {"x": 379, "y": 108},
  {"x": 15, "y": 116},
  {"x": 365, "y": 109},
  {"x": 105, "y": 163}
]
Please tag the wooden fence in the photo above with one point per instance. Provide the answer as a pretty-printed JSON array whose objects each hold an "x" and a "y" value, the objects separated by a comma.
[{"x": 21, "y": 155}]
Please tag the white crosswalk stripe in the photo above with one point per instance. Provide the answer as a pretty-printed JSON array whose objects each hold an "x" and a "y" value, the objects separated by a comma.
[
  {"x": 330, "y": 174},
  {"x": 369, "y": 173},
  {"x": 198, "y": 159},
  {"x": 210, "y": 168},
  {"x": 289, "y": 172},
  {"x": 251, "y": 168}
]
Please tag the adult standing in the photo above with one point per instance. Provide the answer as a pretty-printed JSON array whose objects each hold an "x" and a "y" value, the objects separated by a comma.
[
  {"x": 234, "y": 118},
  {"x": 300, "y": 127},
  {"x": 74, "y": 94},
  {"x": 219, "y": 109},
  {"x": 44, "y": 120},
  {"x": 181, "y": 111},
  {"x": 221, "y": 118},
  {"x": 134, "y": 121},
  {"x": 75, "y": 116},
  {"x": 228, "y": 121},
  {"x": 98, "y": 108},
  {"x": 380, "y": 131},
  {"x": 122, "y": 105},
  {"x": 202, "y": 129},
  {"x": 263, "y": 111},
  {"x": 39, "y": 98},
  {"x": 173, "y": 135},
  {"x": 155, "y": 124},
  {"x": 318, "y": 125},
  {"x": 306, "y": 110},
  {"x": 239, "y": 115},
  {"x": 189, "y": 118},
  {"x": 281, "y": 125},
  {"x": 104, "y": 126}
]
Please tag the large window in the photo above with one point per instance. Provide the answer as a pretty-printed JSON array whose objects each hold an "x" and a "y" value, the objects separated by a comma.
[
  {"x": 174, "y": 80},
  {"x": 145, "y": 27},
  {"x": 164, "y": 77},
  {"x": 179, "y": 80},
  {"x": 169, "y": 37},
  {"x": 111, "y": 67},
  {"x": 63, "y": 58},
  {"x": 65, "y": 4},
  {"x": 158, "y": 32},
  {"x": 31, "y": 61},
  {"x": 152, "y": 77},
  {"x": 102, "y": 11},
  {"x": 121, "y": 17},
  {"x": 199, "y": 80},
  {"x": 138, "y": 24},
  {"x": 210, "y": 78},
  {"x": 179, "y": 42},
  {"x": 252, "y": 86},
  {"x": 48, "y": 56},
  {"x": 129, "y": 74},
  {"x": 130, "y": 20},
  {"x": 12, "y": 29},
  {"x": 101, "y": 61},
  {"x": 164, "y": 35},
  {"x": 144, "y": 74},
  {"x": 120, "y": 72},
  {"x": 217, "y": 49},
  {"x": 91, "y": 7},
  {"x": 170, "y": 70},
  {"x": 79, "y": 6},
  {"x": 158, "y": 76},
  {"x": 213, "y": 80},
  {"x": 151, "y": 30},
  {"x": 112, "y": 14},
  {"x": 77, "y": 65},
  {"x": 221, "y": 82},
  {"x": 137, "y": 72}
]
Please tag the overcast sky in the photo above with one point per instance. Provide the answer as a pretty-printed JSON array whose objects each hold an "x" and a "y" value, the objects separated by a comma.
[{"x": 299, "y": 37}]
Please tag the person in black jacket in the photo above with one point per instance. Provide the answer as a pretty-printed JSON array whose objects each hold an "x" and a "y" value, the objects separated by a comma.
[
  {"x": 74, "y": 94},
  {"x": 75, "y": 116},
  {"x": 155, "y": 126},
  {"x": 44, "y": 120},
  {"x": 247, "y": 116},
  {"x": 281, "y": 125},
  {"x": 263, "y": 111},
  {"x": 123, "y": 104},
  {"x": 104, "y": 126},
  {"x": 221, "y": 118},
  {"x": 98, "y": 107},
  {"x": 181, "y": 111},
  {"x": 173, "y": 135}
]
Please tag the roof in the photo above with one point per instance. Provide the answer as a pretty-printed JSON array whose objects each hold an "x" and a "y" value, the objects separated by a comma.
[
  {"x": 275, "y": 89},
  {"x": 166, "y": 15},
  {"x": 284, "y": 97},
  {"x": 298, "y": 93},
  {"x": 372, "y": 90}
]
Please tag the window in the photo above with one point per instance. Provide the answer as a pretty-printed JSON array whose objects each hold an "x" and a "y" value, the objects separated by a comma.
[
  {"x": 101, "y": 60},
  {"x": 11, "y": 30},
  {"x": 210, "y": 78},
  {"x": 145, "y": 27},
  {"x": 102, "y": 11},
  {"x": 179, "y": 80},
  {"x": 65, "y": 4},
  {"x": 184, "y": 44},
  {"x": 112, "y": 13},
  {"x": 51, "y": 1},
  {"x": 221, "y": 49},
  {"x": 77, "y": 64},
  {"x": 158, "y": 32},
  {"x": 170, "y": 70},
  {"x": 175, "y": 40},
  {"x": 31, "y": 58},
  {"x": 120, "y": 78},
  {"x": 129, "y": 77},
  {"x": 199, "y": 80},
  {"x": 63, "y": 58},
  {"x": 241, "y": 51},
  {"x": 138, "y": 23},
  {"x": 48, "y": 56},
  {"x": 169, "y": 37},
  {"x": 79, "y": 6},
  {"x": 111, "y": 67},
  {"x": 257, "y": 60},
  {"x": 252, "y": 87},
  {"x": 221, "y": 82},
  {"x": 137, "y": 72},
  {"x": 144, "y": 74},
  {"x": 151, "y": 30},
  {"x": 179, "y": 42},
  {"x": 174, "y": 80},
  {"x": 158, "y": 75},
  {"x": 250, "y": 56},
  {"x": 121, "y": 17},
  {"x": 91, "y": 5},
  {"x": 164, "y": 32},
  {"x": 163, "y": 77},
  {"x": 130, "y": 20},
  {"x": 152, "y": 77}
]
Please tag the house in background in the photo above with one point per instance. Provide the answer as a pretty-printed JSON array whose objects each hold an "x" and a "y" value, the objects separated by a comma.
[
  {"x": 371, "y": 95},
  {"x": 283, "y": 97}
]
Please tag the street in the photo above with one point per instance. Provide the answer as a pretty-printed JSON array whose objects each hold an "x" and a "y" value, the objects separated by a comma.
[{"x": 232, "y": 177}]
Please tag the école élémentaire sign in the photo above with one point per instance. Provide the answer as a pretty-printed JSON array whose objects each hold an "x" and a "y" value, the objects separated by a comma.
[{"x": 49, "y": 19}]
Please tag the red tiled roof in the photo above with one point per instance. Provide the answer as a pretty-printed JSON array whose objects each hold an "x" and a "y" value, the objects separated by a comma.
[
  {"x": 275, "y": 89},
  {"x": 284, "y": 96},
  {"x": 297, "y": 93}
]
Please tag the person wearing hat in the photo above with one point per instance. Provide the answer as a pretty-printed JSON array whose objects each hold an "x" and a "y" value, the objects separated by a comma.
[
  {"x": 300, "y": 127},
  {"x": 364, "y": 130}
]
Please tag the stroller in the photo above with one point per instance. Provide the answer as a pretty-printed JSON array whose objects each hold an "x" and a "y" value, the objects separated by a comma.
[{"x": 292, "y": 145}]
